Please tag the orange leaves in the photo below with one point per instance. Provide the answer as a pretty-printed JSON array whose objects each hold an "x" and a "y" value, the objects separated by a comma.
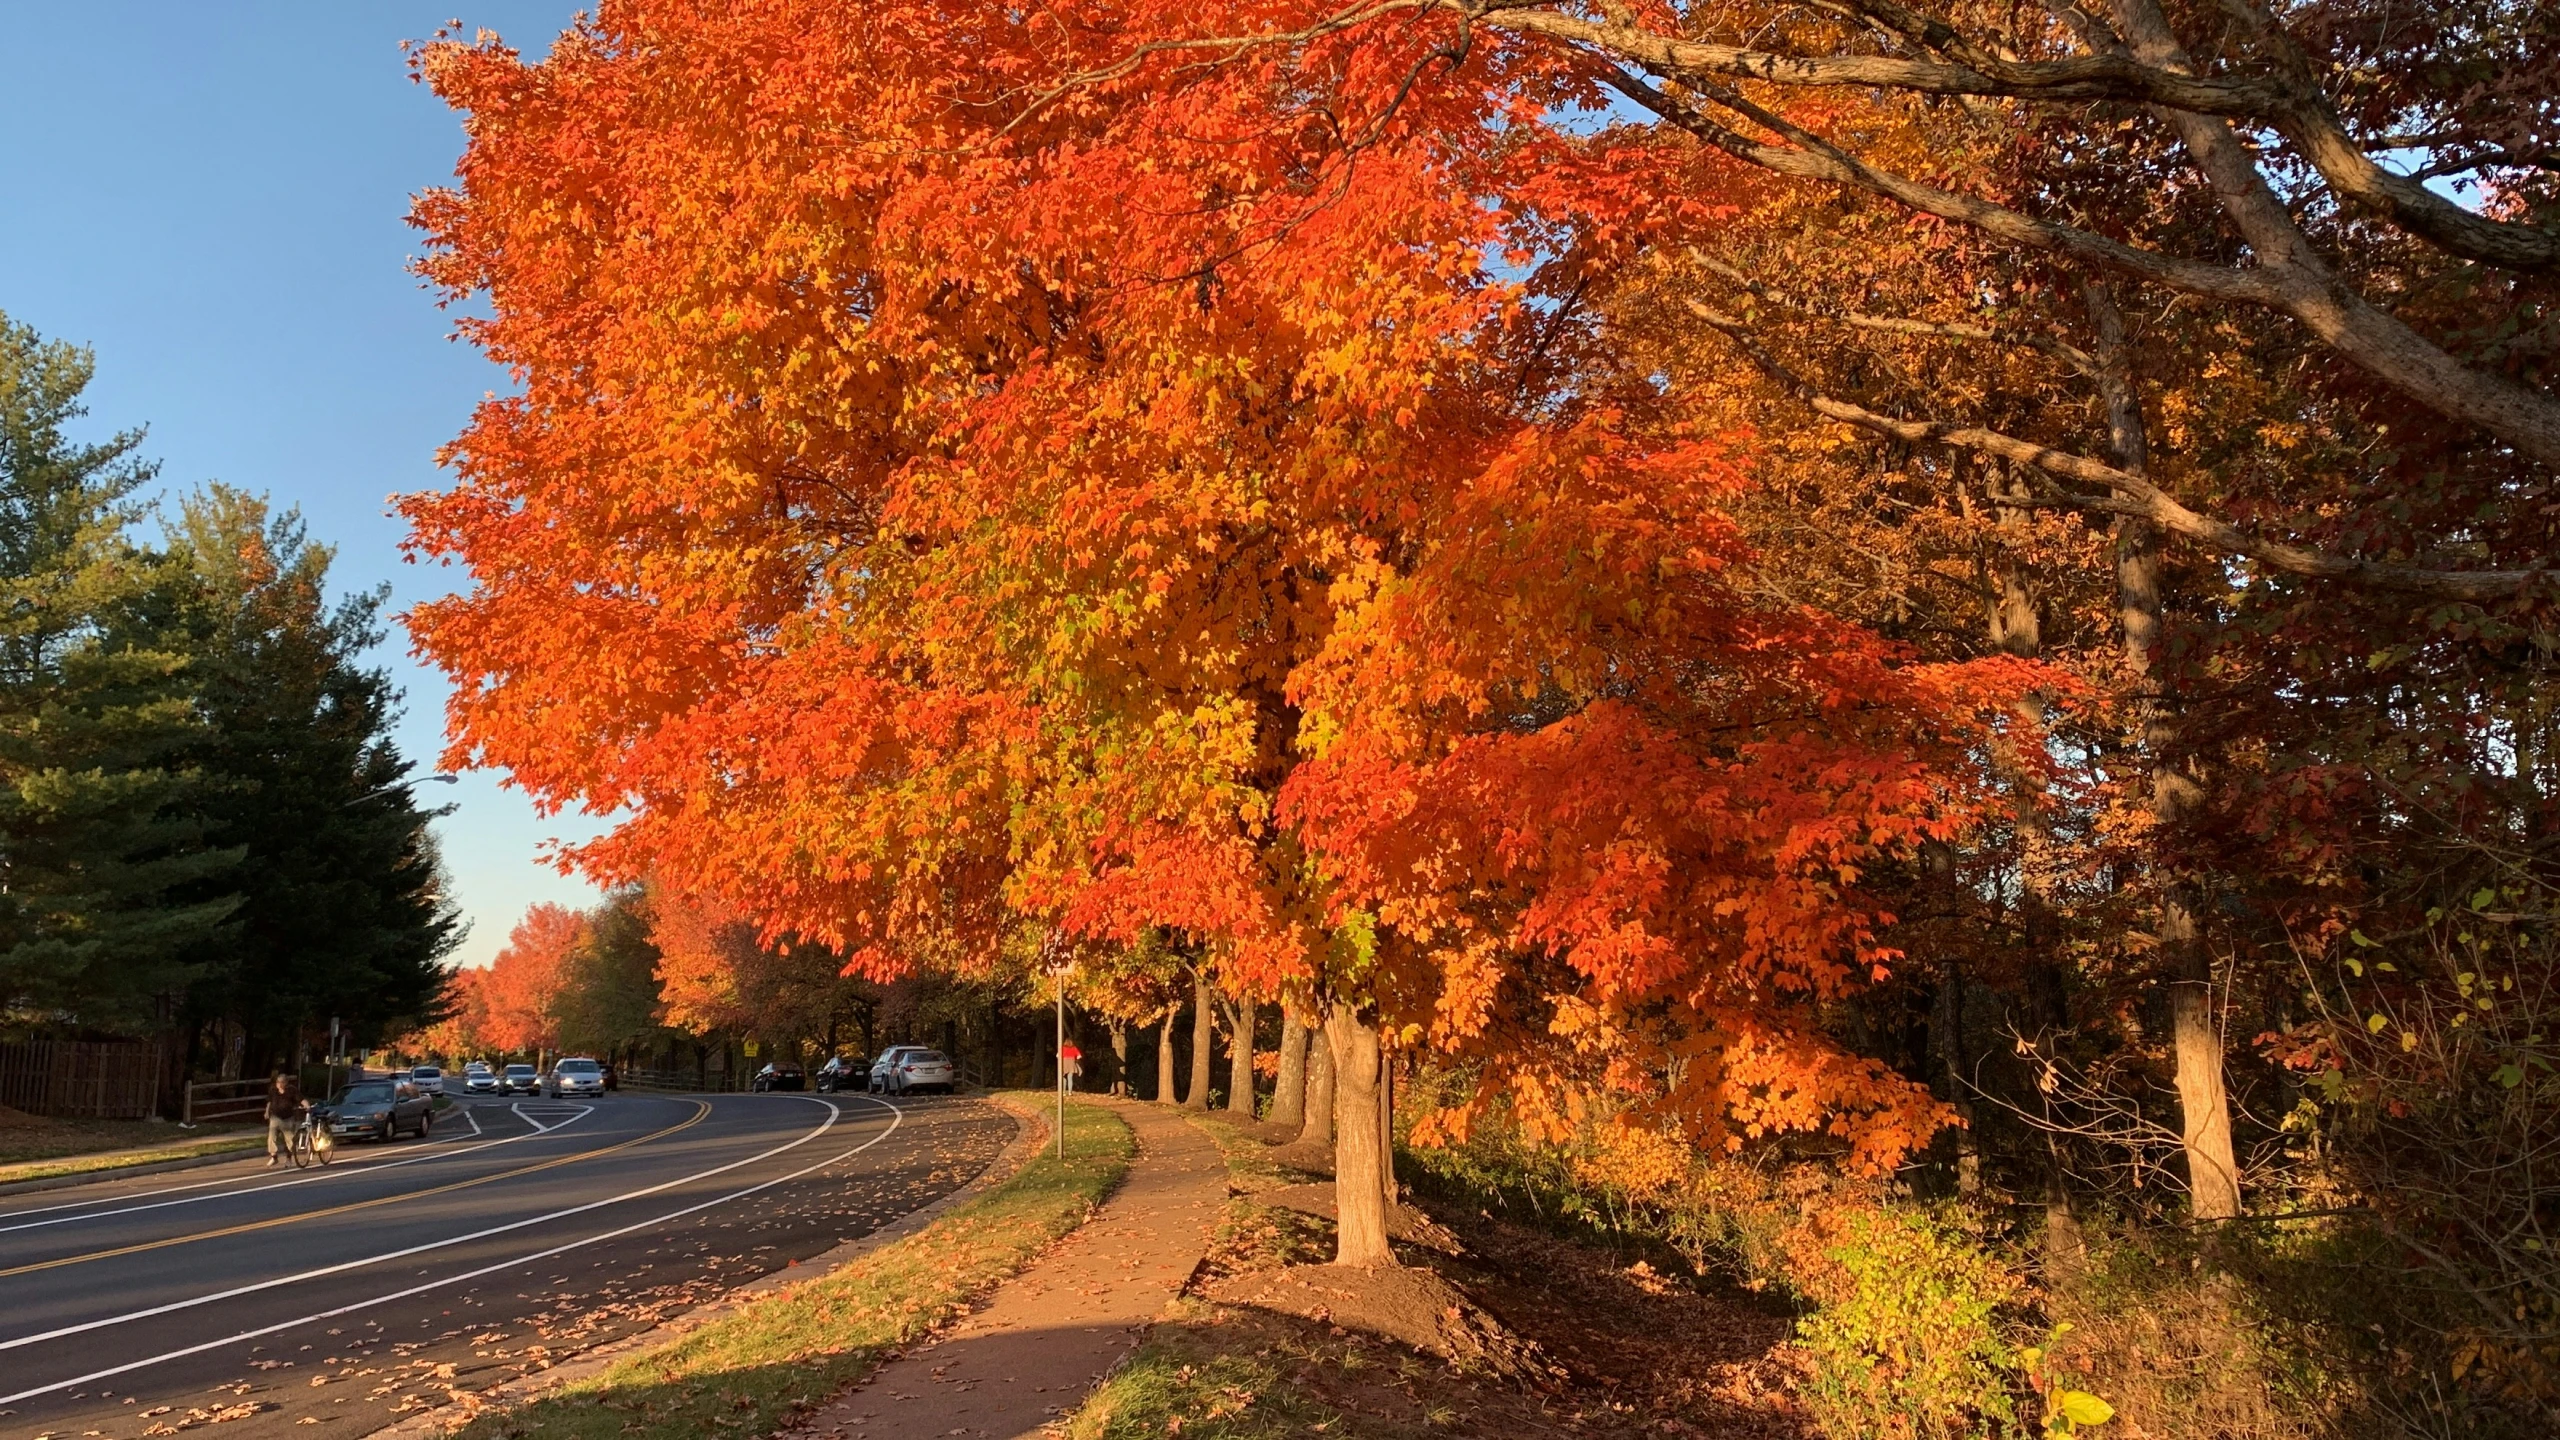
[
  {"x": 964, "y": 483},
  {"x": 521, "y": 988}
]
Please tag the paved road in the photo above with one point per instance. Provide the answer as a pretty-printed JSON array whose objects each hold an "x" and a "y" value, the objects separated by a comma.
[{"x": 245, "y": 1302}]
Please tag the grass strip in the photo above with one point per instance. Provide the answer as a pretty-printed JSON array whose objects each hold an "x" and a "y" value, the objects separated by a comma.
[
  {"x": 125, "y": 1159},
  {"x": 747, "y": 1372}
]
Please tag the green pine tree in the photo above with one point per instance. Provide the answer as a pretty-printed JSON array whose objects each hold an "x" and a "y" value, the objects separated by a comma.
[
  {"x": 342, "y": 912},
  {"x": 108, "y": 884}
]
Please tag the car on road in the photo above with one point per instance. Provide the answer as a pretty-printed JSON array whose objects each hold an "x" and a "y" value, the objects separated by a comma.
[
  {"x": 840, "y": 1073},
  {"x": 915, "y": 1068},
  {"x": 380, "y": 1110},
  {"x": 520, "y": 1079},
  {"x": 479, "y": 1079},
  {"x": 575, "y": 1075},
  {"x": 427, "y": 1078},
  {"x": 780, "y": 1075}
]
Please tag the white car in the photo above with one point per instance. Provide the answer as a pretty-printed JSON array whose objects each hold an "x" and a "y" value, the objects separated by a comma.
[
  {"x": 577, "y": 1076},
  {"x": 479, "y": 1079},
  {"x": 428, "y": 1078}
]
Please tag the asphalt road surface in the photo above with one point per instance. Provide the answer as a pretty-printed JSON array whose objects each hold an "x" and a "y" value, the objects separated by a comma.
[{"x": 241, "y": 1302}]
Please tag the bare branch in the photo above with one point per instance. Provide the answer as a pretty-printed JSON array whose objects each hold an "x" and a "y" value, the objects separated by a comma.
[{"x": 2132, "y": 494}]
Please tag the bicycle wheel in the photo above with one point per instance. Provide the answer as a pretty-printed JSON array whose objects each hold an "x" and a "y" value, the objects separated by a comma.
[
  {"x": 300, "y": 1150},
  {"x": 323, "y": 1147}
]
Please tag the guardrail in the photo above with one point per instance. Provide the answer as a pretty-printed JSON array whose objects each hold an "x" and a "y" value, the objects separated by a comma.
[
  {"x": 216, "y": 1100},
  {"x": 676, "y": 1081}
]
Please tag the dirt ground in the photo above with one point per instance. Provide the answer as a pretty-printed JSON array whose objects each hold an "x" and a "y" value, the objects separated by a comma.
[
  {"x": 25, "y": 1137},
  {"x": 1494, "y": 1329}
]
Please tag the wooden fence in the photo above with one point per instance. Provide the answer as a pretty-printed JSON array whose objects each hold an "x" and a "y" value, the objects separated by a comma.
[{"x": 81, "y": 1079}]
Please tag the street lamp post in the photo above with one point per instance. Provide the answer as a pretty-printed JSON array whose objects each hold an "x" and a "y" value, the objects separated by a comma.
[{"x": 441, "y": 777}]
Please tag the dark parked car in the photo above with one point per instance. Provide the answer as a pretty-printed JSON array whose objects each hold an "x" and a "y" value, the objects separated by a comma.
[
  {"x": 840, "y": 1073},
  {"x": 781, "y": 1075},
  {"x": 381, "y": 1110},
  {"x": 520, "y": 1080}
]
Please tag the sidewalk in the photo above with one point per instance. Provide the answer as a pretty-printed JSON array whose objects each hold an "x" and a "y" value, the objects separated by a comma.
[{"x": 1049, "y": 1334}]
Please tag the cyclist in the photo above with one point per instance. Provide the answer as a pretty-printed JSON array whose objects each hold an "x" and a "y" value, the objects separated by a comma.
[{"x": 284, "y": 1112}]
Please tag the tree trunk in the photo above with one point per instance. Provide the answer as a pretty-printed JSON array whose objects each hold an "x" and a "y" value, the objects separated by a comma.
[
  {"x": 1119, "y": 1057},
  {"x": 2204, "y": 1106},
  {"x": 1247, "y": 1017},
  {"x": 1359, "y": 1160},
  {"x": 1289, "y": 1090},
  {"x": 1204, "y": 1006},
  {"x": 1165, "y": 1092},
  {"x": 1318, "y": 1127}
]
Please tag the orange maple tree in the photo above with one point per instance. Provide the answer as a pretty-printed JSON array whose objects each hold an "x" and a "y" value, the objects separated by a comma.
[
  {"x": 957, "y": 489},
  {"x": 520, "y": 990}
]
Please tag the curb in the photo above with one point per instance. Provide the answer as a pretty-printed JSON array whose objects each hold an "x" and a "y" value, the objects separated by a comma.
[
  {"x": 1030, "y": 1133},
  {"x": 118, "y": 1172}
]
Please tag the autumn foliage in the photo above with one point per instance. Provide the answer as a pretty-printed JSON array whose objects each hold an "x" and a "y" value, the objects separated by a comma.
[{"x": 918, "y": 548}]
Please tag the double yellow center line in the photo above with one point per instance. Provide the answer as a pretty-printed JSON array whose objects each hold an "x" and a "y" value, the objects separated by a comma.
[{"x": 701, "y": 1108}]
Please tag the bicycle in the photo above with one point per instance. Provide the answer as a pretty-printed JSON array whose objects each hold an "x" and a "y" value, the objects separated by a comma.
[{"x": 312, "y": 1143}]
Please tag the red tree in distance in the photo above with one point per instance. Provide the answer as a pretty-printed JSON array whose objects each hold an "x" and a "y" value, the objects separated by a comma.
[
  {"x": 946, "y": 498},
  {"x": 521, "y": 987}
]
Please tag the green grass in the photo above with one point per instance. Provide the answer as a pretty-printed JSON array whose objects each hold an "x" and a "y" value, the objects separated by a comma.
[
  {"x": 1189, "y": 1379},
  {"x": 89, "y": 1149},
  {"x": 746, "y": 1373}
]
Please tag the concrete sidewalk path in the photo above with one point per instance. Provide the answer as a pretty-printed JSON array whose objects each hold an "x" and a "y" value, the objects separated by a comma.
[{"x": 1027, "y": 1358}]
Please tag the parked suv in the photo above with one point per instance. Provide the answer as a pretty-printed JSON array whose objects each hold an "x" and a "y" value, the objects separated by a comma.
[
  {"x": 520, "y": 1080},
  {"x": 576, "y": 1075}
]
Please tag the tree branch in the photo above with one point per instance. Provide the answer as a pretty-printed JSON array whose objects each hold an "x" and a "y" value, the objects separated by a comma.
[{"x": 2133, "y": 495}]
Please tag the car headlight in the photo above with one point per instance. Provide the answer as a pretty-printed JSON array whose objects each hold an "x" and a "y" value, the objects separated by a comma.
[{"x": 381, "y": 1115}]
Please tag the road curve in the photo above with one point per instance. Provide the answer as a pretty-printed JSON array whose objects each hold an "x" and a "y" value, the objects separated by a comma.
[{"x": 259, "y": 1302}]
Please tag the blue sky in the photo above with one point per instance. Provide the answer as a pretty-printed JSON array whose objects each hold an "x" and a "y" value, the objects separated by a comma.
[{"x": 212, "y": 196}]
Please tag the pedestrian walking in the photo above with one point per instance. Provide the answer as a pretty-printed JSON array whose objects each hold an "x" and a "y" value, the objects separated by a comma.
[{"x": 284, "y": 1109}]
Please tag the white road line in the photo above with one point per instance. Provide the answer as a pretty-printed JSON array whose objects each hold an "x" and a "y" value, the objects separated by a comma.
[
  {"x": 539, "y": 1127},
  {"x": 366, "y": 1167},
  {"x": 834, "y": 1112}
]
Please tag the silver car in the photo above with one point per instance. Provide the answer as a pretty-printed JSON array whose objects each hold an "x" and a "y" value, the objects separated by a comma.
[
  {"x": 576, "y": 1077},
  {"x": 914, "y": 1068},
  {"x": 885, "y": 1069},
  {"x": 428, "y": 1078},
  {"x": 479, "y": 1079}
]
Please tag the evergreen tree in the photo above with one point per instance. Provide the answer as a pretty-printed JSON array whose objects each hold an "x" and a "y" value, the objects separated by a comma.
[
  {"x": 108, "y": 883},
  {"x": 342, "y": 911}
]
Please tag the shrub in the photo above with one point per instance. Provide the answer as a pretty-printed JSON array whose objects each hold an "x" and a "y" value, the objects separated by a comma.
[{"x": 1907, "y": 1335}]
